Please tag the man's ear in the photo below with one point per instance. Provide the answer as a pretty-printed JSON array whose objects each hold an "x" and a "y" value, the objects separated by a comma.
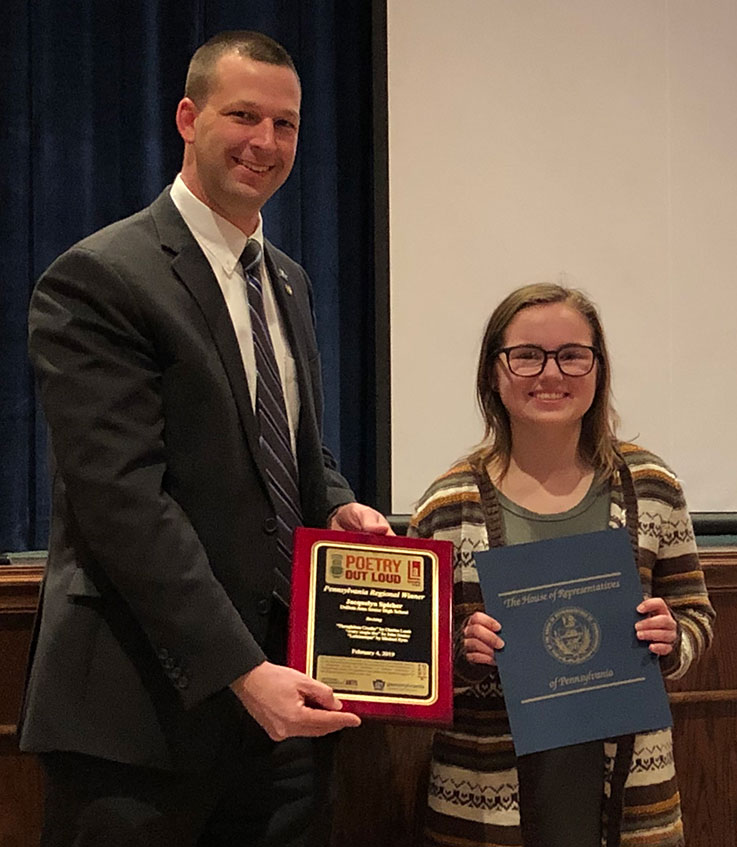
[{"x": 186, "y": 114}]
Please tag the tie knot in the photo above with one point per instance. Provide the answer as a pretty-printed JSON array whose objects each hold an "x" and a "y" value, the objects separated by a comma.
[{"x": 251, "y": 256}]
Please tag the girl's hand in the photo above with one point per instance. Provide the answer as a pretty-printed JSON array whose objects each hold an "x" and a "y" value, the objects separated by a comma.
[
  {"x": 480, "y": 639},
  {"x": 659, "y": 627}
]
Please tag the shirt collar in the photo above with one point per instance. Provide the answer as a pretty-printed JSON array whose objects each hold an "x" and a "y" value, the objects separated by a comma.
[{"x": 216, "y": 235}]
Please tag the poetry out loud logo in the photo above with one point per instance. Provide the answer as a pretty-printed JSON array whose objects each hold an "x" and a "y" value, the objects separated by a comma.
[{"x": 390, "y": 568}]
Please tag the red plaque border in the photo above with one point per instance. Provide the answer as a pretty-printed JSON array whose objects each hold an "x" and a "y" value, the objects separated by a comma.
[{"x": 439, "y": 711}]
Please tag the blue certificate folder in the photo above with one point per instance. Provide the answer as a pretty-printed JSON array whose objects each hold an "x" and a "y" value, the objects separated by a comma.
[{"x": 572, "y": 668}]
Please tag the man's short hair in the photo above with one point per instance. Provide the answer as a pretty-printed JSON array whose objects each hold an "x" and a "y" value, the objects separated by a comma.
[{"x": 246, "y": 43}]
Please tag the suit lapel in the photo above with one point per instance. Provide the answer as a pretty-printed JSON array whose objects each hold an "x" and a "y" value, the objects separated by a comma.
[{"x": 190, "y": 265}]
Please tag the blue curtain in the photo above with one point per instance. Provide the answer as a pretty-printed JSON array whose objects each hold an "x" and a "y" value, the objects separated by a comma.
[{"x": 88, "y": 91}]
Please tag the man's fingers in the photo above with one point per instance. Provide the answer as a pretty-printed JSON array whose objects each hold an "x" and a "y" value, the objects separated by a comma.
[
  {"x": 312, "y": 723},
  {"x": 321, "y": 722},
  {"x": 318, "y": 694},
  {"x": 321, "y": 714},
  {"x": 360, "y": 518},
  {"x": 287, "y": 703},
  {"x": 380, "y": 528},
  {"x": 318, "y": 713},
  {"x": 372, "y": 521}
]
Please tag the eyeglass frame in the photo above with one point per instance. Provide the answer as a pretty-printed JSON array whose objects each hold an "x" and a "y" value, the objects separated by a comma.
[{"x": 548, "y": 354}]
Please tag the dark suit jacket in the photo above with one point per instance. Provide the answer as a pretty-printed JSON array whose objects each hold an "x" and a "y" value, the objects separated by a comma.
[{"x": 160, "y": 573}]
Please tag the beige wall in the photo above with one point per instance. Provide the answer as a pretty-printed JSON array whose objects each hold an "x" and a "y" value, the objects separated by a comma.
[{"x": 594, "y": 137}]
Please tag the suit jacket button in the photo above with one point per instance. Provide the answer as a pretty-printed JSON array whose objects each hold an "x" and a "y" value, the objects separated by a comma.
[
  {"x": 264, "y": 607},
  {"x": 270, "y": 525}
]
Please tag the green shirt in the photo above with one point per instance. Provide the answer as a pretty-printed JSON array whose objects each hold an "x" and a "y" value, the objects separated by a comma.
[{"x": 589, "y": 515}]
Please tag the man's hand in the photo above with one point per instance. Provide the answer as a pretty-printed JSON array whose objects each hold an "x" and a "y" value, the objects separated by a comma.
[
  {"x": 659, "y": 627},
  {"x": 287, "y": 703},
  {"x": 355, "y": 517},
  {"x": 480, "y": 639}
]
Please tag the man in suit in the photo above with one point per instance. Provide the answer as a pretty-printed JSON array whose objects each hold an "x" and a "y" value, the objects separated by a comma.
[{"x": 157, "y": 693}]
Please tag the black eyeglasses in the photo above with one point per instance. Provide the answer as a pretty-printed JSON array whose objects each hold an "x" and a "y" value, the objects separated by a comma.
[{"x": 530, "y": 360}]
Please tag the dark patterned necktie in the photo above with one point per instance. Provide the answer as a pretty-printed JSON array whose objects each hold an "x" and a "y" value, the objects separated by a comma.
[{"x": 271, "y": 412}]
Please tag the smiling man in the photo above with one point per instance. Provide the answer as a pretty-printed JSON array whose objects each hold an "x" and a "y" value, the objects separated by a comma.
[
  {"x": 179, "y": 374},
  {"x": 240, "y": 129}
]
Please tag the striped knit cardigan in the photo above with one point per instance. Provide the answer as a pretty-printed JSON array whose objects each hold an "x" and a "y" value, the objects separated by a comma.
[{"x": 474, "y": 789}]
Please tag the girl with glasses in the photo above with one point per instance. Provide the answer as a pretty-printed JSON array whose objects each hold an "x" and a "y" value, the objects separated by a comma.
[{"x": 550, "y": 465}]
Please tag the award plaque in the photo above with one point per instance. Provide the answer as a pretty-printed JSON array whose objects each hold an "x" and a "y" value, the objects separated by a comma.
[{"x": 370, "y": 616}]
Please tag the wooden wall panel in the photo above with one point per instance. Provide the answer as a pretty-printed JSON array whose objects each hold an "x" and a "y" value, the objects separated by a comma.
[
  {"x": 381, "y": 769},
  {"x": 21, "y": 786},
  {"x": 704, "y": 706}
]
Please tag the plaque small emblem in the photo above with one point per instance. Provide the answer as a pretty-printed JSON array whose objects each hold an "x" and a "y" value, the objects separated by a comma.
[{"x": 336, "y": 566}]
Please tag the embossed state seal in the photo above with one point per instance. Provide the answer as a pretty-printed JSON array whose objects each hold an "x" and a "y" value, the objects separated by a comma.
[{"x": 571, "y": 635}]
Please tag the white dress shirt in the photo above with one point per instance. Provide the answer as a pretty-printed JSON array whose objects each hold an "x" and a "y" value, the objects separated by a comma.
[{"x": 222, "y": 243}]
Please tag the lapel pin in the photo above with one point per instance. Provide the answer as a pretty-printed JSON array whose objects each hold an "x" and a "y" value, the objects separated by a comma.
[{"x": 287, "y": 287}]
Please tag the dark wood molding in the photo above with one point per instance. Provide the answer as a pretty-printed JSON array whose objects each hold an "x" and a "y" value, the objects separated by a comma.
[
  {"x": 679, "y": 697},
  {"x": 19, "y": 586},
  {"x": 720, "y": 567}
]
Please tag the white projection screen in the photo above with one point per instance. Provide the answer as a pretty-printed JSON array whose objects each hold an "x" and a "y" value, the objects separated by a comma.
[{"x": 592, "y": 137}]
